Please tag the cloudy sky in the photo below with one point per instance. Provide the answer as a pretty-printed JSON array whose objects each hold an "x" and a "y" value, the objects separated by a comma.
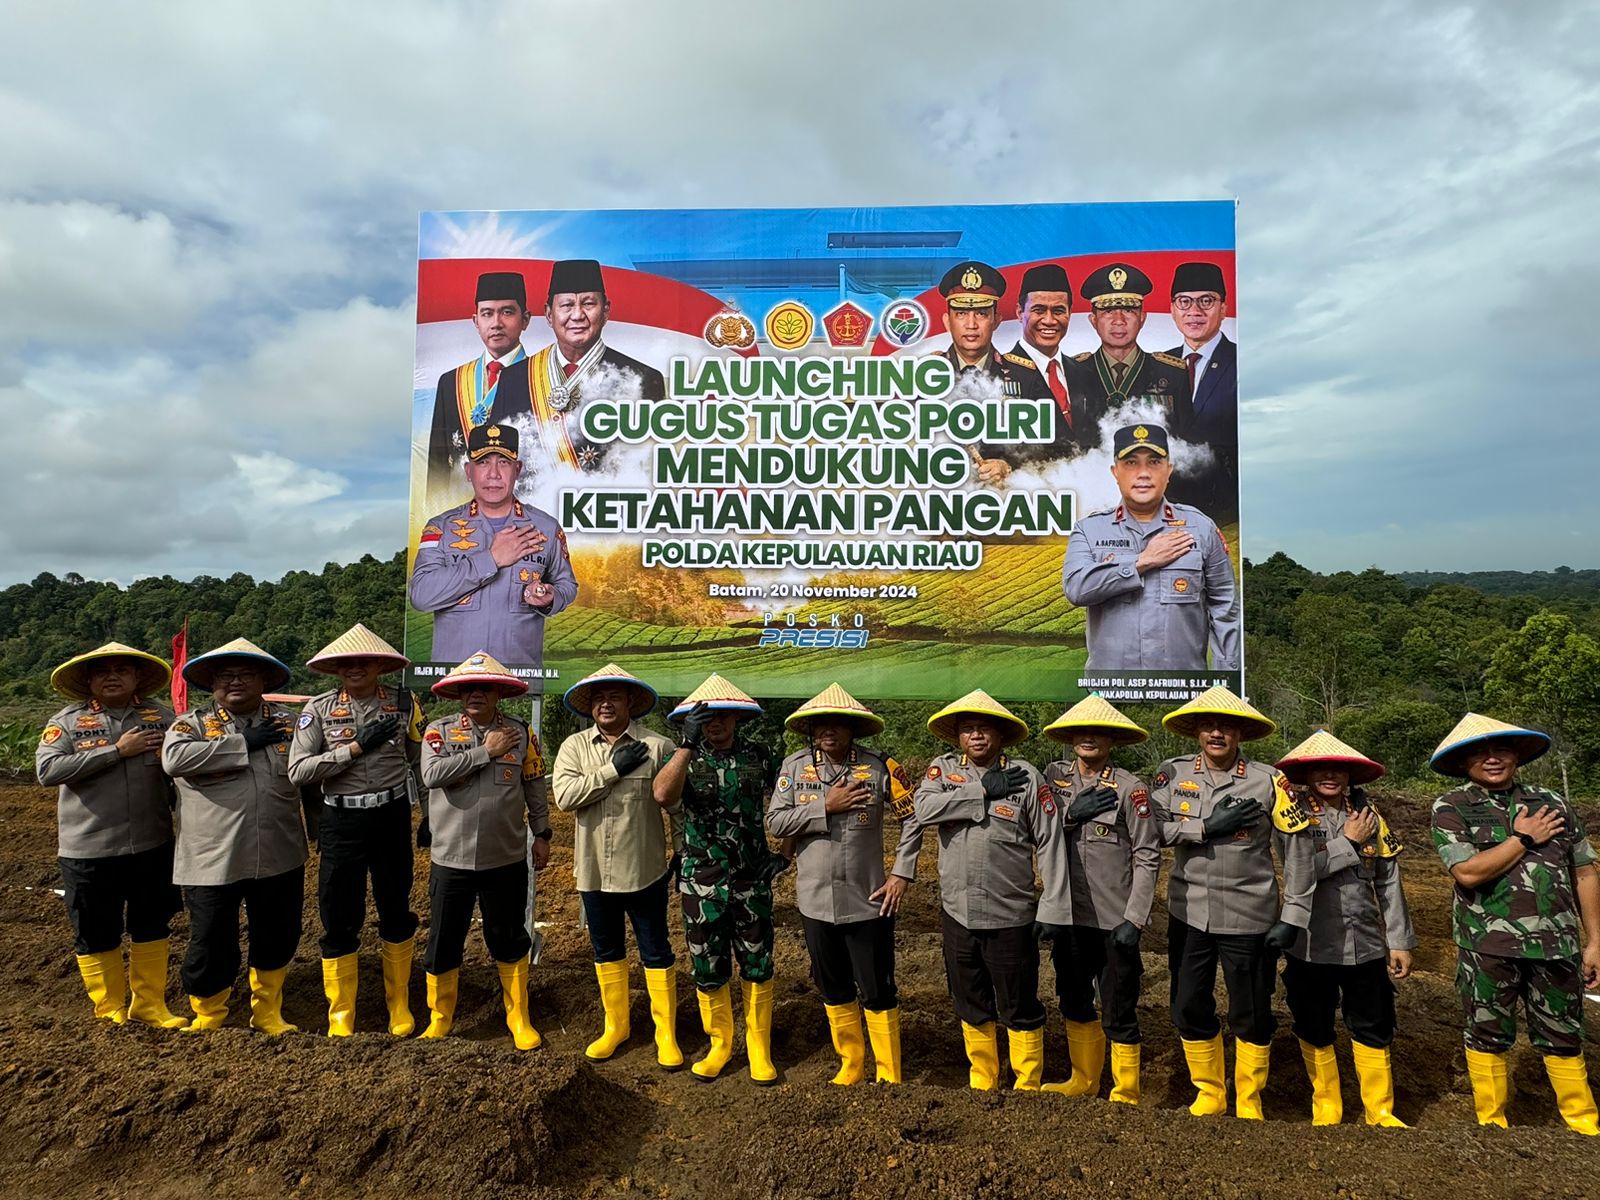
[{"x": 208, "y": 220}]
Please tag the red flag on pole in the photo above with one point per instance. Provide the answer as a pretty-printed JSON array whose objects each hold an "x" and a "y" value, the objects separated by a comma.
[{"x": 180, "y": 656}]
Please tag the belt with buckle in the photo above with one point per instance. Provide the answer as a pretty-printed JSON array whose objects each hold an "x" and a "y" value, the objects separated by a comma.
[{"x": 365, "y": 799}]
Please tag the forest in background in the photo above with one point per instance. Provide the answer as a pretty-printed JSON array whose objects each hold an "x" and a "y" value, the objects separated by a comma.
[{"x": 1386, "y": 661}]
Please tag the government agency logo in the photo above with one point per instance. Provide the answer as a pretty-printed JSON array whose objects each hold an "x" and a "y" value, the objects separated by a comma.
[{"x": 904, "y": 322}]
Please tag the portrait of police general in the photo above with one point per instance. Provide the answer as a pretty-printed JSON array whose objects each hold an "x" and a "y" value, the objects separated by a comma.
[
  {"x": 1152, "y": 575},
  {"x": 494, "y": 570}
]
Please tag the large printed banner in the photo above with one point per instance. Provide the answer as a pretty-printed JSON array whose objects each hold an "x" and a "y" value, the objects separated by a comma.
[{"x": 913, "y": 450}]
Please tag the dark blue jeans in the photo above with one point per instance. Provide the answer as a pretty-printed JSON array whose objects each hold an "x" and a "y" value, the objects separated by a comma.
[{"x": 646, "y": 909}]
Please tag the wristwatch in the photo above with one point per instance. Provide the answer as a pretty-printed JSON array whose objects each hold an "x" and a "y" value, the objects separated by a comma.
[{"x": 1527, "y": 840}]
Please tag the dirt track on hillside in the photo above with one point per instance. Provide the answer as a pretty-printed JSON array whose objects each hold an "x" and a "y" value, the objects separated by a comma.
[{"x": 91, "y": 1110}]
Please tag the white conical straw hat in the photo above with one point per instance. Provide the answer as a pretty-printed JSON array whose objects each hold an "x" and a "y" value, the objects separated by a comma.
[
  {"x": 1095, "y": 712},
  {"x": 358, "y": 642},
  {"x": 201, "y": 670},
  {"x": 720, "y": 696},
  {"x": 1451, "y": 756},
  {"x": 1219, "y": 702},
  {"x": 1323, "y": 749},
  {"x": 579, "y": 696},
  {"x": 481, "y": 667},
  {"x": 834, "y": 701},
  {"x": 71, "y": 678},
  {"x": 978, "y": 703}
]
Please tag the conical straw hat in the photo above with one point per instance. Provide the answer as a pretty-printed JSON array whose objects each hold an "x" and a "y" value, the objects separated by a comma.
[
  {"x": 1451, "y": 756},
  {"x": 1097, "y": 714},
  {"x": 720, "y": 696},
  {"x": 200, "y": 671},
  {"x": 482, "y": 667},
  {"x": 978, "y": 703},
  {"x": 834, "y": 701},
  {"x": 1322, "y": 749},
  {"x": 580, "y": 696},
  {"x": 71, "y": 678},
  {"x": 358, "y": 642},
  {"x": 1219, "y": 702}
]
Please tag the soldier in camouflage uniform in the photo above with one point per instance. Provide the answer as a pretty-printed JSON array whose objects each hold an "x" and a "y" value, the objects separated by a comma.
[
  {"x": 1526, "y": 918},
  {"x": 725, "y": 875}
]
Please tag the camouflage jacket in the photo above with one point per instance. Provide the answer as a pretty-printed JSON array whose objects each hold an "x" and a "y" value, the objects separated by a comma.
[
  {"x": 1532, "y": 910},
  {"x": 724, "y": 814}
]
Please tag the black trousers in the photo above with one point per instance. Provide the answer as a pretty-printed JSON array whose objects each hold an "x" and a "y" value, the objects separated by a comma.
[
  {"x": 355, "y": 843},
  {"x": 132, "y": 892},
  {"x": 993, "y": 974},
  {"x": 1086, "y": 960},
  {"x": 851, "y": 958},
  {"x": 608, "y": 915},
  {"x": 500, "y": 893},
  {"x": 1249, "y": 972},
  {"x": 273, "y": 908},
  {"x": 1364, "y": 991}
]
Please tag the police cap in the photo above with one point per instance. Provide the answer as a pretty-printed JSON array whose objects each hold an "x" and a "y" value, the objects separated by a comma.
[
  {"x": 1139, "y": 437},
  {"x": 492, "y": 439},
  {"x": 972, "y": 284},
  {"x": 502, "y": 285},
  {"x": 1117, "y": 285},
  {"x": 1199, "y": 277},
  {"x": 575, "y": 275}
]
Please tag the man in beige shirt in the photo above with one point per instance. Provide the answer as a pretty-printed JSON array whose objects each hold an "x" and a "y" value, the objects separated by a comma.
[{"x": 603, "y": 775}]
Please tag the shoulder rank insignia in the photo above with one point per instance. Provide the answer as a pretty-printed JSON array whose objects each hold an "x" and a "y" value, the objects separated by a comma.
[
  {"x": 1169, "y": 359},
  {"x": 1022, "y": 360},
  {"x": 1084, "y": 357}
]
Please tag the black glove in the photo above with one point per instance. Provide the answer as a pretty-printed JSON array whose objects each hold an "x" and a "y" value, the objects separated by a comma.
[
  {"x": 1046, "y": 932},
  {"x": 424, "y": 835},
  {"x": 693, "y": 736},
  {"x": 258, "y": 737},
  {"x": 1281, "y": 936},
  {"x": 1092, "y": 803},
  {"x": 775, "y": 865},
  {"x": 1126, "y": 936},
  {"x": 370, "y": 737},
  {"x": 626, "y": 756},
  {"x": 674, "y": 867},
  {"x": 997, "y": 783},
  {"x": 1230, "y": 816},
  {"x": 1358, "y": 799}
]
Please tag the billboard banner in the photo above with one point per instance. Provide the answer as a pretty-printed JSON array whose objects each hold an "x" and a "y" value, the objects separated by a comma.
[{"x": 914, "y": 450}]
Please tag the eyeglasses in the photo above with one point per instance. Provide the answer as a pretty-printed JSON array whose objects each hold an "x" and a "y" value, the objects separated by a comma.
[
  {"x": 1204, "y": 303},
  {"x": 241, "y": 675}
]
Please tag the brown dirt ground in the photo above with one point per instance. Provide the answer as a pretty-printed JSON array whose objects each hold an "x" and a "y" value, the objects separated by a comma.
[{"x": 91, "y": 1110}]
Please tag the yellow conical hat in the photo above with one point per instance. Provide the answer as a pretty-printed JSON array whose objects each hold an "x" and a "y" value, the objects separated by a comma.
[
  {"x": 1451, "y": 756},
  {"x": 834, "y": 701},
  {"x": 579, "y": 697},
  {"x": 1325, "y": 750},
  {"x": 482, "y": 667},
  {"x": 200, "y": 671},
  {"x": 720, "y": 696},
  {"x": 978, "y": 703},
  {"x": 1219, "y": 702},
  {"x": 1094, "y": 712},
  {"x": 358, "y": 642},
  {"x": 71, "y": 678}
]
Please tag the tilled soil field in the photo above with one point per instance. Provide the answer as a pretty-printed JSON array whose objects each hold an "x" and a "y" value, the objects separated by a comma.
[{"x": 91, "y": 1110}]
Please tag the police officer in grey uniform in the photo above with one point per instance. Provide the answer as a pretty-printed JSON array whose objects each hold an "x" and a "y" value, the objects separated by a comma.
[
  {"x": 990, "y": 810},
  {"x": 361, "y": 742},
  {"x": 1218, "y": 810},
  {"x": 493, "y": 570},
  {"x": 114, "y": 826},
  {"x": 832, "y": 798},
  {"x": 1099, "y": 868},
  {"x": 241, "y": 839},
  {"x": 484, "y": 771},
  {"x": 1154, "y": 576}
]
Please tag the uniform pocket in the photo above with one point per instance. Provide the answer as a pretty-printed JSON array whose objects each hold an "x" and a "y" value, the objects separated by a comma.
[{"x": 1180, "y": 585}]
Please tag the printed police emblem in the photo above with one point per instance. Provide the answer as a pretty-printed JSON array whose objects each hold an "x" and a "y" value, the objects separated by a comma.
[
  {"x": 903, "y": 322},
  {"x": 730, "y": 330},
  {"x": 971, "y": 279},
  {"x": 1180, "y": 585},
  {"x": 790, "y": 325},
  {"x": 52, "y": 734}
]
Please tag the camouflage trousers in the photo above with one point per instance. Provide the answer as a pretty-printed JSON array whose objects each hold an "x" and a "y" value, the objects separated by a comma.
[
  {"x": 1551, "y": 989},
  {"x": 724, "y": 921}
]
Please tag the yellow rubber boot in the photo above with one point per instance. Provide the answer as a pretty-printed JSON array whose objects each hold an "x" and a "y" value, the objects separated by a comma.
[
  {"x": 1249, "y": 1079},
  {"x": 1573, "y": 1097},
  {"x": 716, "y": 1017},
  {"x": 442, "y": 992},
  {"x": 397, "y": 986},
  {"x": 1125, "y": 1072},
  {"x": 1026, "y": 1047},
  {"x": 613, "y": 977},
  {"x": 108, "y": 991},
  {"x": 983, "y": 1053},
  {"x": 339, "y": 985},
  {"x": 147, "y": 986},
  {"x": 1491, "y": 1086},
  {"x": 266, "y": 1002},
  {"x": 883, "y": 1029},
  {"x": 209, "y": 1011},
  {"x": 1086, "y": 1047},
  {"x": 844, "y": 1022},
  {"x": 1322, "y": 1068},
  {"x": 662, "y": 984},
  {"x": 1205, "y": 1072},
  {"x": 758, "y": 1031},
  {"x": 514, "y": 991},
  {"x": 1377, "y": 1086}
]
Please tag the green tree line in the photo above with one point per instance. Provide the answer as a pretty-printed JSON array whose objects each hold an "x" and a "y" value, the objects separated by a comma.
[{"x": 1386, "y": 661}]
